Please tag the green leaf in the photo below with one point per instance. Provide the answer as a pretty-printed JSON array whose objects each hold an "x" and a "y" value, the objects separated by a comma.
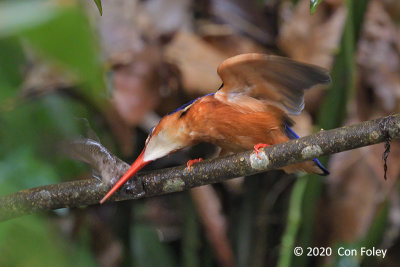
[
  {"x": 98, "y": 4},
  {"x": 191, "y": 236},
  {"x": 294, "y": 221},
  {"x": 313, "y": 5},
  {"x": 42, "y": 123},
  {"x": 60, "y": 33},
  {"x": 30, "y": 138},
  {"x": 24, "y": 15},
  {"x": 148, "y": 250},
  {"x": 12, "y": 60},
  {"x": 21, "y": 169},
  {"x": 31, "y": 241}
]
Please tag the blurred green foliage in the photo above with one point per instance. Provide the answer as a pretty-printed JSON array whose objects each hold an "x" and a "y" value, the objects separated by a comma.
[
  {"x": 146, "y": 245},
  {"x": 293, "y": 222},
  {"x": 32, "y": 241},
  {"x": 30, "y": 139},
  {"x": 60, "y": 33},
  {"x": 32, "y": 128},
  {"x": 11, "y": 64},
  {"x": 191, "y": 236}
]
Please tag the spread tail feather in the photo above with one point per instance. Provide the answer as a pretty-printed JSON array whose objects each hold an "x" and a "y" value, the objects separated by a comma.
[{"x": 310, "y": 166}]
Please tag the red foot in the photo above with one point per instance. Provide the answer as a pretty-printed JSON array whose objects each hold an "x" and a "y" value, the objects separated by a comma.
[
  {"x": 190, "y": 163},
  {"x": 257, "y": 148}
]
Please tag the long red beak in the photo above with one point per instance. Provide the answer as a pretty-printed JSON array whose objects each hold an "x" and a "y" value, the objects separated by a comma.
[{"x": 136, "y": 166}]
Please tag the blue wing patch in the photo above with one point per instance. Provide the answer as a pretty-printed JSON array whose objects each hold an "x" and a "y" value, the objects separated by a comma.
[
  {"x": 292, "y": 135},
  {"x": 188, "y": 103}
]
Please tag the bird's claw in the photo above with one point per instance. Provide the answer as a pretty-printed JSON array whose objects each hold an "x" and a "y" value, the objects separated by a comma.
[
  {"x": 190, "y": 163},
  {"x": 257, "y": 148}
]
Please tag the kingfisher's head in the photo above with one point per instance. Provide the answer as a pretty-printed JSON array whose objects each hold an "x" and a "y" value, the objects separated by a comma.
[{"x": 170, "y": 135}]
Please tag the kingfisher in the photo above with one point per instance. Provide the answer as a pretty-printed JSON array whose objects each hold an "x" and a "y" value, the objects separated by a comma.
[{"x": 249, "y": 110}]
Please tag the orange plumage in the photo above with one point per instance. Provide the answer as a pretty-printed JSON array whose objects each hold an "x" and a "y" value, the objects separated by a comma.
[{"x": 251, "y": 107}]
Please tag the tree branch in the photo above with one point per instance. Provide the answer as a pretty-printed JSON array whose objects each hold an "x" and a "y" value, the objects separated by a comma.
[{"x": 88, "y": 192}]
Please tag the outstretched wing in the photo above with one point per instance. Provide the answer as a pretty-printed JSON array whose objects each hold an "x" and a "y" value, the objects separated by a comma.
[{"x": 275, "y": 79}]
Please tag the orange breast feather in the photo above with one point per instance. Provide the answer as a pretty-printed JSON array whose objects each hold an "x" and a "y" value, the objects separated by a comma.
[{"x": 235, "y": 128}]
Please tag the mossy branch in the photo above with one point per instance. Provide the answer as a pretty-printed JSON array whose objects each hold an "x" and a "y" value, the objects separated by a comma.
[{"x": 88, "y": 192}]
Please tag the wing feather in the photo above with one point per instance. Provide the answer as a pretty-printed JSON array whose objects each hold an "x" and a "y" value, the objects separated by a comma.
[{"x": 275, "y": 79}]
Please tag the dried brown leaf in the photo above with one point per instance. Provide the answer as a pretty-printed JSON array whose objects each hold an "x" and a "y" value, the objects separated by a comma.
[
  {"x": 357, "y": 189},
  {"x": 119, "y": 31},
  {"x": 223, "y": 38},
  {"x": 312, "y": 38},
  {"x": 197, "y": 61},
  {"x": 136, "y": 86},
  {"x": 167, "y": 16},
  {"x": 378, "y": 59},
  {"x": 247, "y": 17}
]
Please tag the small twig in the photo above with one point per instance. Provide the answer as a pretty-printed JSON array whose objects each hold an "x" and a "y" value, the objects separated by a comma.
[
  {"x": 88, "y": 192},
  {"x": 384, "y": 125}
]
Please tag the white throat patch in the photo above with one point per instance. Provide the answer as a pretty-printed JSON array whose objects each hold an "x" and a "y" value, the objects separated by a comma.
[{"x": 159, "y": 146}]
